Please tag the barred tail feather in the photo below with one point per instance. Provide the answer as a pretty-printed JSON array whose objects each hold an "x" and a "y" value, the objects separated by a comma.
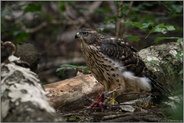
[{"x": 159, "y": 93}]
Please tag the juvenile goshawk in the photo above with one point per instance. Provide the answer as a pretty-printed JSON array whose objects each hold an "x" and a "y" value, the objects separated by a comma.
[{"x": 116, "y": 64}]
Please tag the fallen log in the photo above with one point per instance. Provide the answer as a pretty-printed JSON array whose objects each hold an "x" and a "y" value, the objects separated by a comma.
[{"x": 69, "y": 94}]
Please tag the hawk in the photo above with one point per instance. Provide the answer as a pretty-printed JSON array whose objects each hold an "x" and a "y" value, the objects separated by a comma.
[{"x": 116, "y": 64}]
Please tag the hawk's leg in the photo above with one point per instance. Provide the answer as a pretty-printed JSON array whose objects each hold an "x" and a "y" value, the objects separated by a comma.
[
  {"x": 112, "y": 99},
  {"x": 104, "y": 99}
]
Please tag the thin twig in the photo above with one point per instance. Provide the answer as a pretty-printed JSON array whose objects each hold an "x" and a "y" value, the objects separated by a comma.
[
  {"x": 130, "y": 6},
  {"x": 34, "y": 29},
  {"x": 125, "y": 19},
  {"x": 119, "y": 15}
]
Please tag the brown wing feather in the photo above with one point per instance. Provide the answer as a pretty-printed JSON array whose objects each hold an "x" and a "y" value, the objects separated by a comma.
[
  {"x": 128, "y": 57},
  {"x": 124, "y": 54}
]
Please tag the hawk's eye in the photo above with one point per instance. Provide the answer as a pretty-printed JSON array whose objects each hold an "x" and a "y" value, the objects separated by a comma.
[{"x": 85, "y": 33}]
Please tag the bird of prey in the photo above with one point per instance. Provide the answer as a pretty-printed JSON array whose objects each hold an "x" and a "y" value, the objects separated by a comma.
[{"x": 116, "y": 64}]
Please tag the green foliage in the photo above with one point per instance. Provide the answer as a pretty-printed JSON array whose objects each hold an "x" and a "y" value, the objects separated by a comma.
[
  {"x": 172, "y": 7},
  {"x": 100, "y": 29},
  {"x": 65, "y": 67},
  {"x": 179, "y": 55},
  {"x": 134, "y": 38},
  {"x": 156, "y": 23},
  {"x": 33, "y": 7},
  {"x": 20, "y": 36},
  {"x": 109, "y": 20},
  {"x": 164, "y": 38},
  {"x": 142, "y": 26},
  {"x": 162, "y": 28},
  {"x": 71, "y": 67},
  {"x": 144, "y": 5},
  {"x": 62, "y": 4}
]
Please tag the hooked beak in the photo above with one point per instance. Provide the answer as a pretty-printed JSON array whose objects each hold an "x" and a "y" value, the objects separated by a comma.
[{"x": 77, "y": 36}]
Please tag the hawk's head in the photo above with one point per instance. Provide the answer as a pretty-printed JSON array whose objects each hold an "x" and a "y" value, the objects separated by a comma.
[{"x": 88, "y": 36}]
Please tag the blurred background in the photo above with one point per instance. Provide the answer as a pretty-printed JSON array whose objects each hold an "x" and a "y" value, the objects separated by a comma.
[{"x": 51, "y": 28}]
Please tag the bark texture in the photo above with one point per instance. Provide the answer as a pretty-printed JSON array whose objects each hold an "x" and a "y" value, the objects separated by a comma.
[{"x": 23, "y": 97}]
